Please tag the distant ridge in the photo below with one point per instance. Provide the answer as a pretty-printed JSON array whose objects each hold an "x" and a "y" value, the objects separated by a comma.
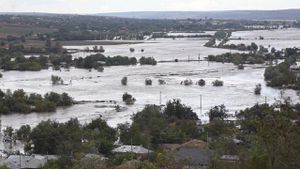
[{"x": 288, "y": 14}]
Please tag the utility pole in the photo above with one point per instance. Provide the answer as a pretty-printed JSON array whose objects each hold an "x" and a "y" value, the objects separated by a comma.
[
  {"x": 160, "y": 98},
  {"x": 200, "y": 104},
  {"x": 207, "y": 139},
  {"x": 266, "y": 101}
]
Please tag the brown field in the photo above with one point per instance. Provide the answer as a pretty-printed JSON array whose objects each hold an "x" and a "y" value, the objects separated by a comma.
[
  {"x": 41, "y": 44},
  {"x": 20, "y": 30}
]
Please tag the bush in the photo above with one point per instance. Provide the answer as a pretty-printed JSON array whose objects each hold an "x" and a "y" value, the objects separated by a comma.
[
  {"x": 56, "y": 80},
  {"x": 128, "y": 99},
  {"x": 161, "y": 82},
  {"x": 201, "y": 82},
  {"x": 148, "y": 82},
  {"x": 100, "y": 69},
  {"x": 218, "y": 83},
  {"x": 241, "y": 67},
  {"x": 124, "y": 81},
  {"x": 187, "y": 82}
]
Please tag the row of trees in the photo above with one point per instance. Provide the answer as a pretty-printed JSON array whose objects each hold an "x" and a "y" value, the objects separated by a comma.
[
  {"x": 238, "y": 58},
  {"x": 17, "y": 61}
]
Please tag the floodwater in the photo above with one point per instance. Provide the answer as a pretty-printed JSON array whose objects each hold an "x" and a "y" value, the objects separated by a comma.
[
  {"x": 236, "y": 94},
  {"x": 160, "y": 49},
  {"x": 279, "y": 39}
]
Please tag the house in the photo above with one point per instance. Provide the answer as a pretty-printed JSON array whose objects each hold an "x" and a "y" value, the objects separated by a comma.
[
  {"x": 230, "y": 161},
  {"x": 27, "y": 162},
  {"x": 195, "y": 158},
  {"x": 296, "y": 69},
  {"x": 195, "y": 144},
  {"x": 193, "y": 154},
  {"x": 169, "y": 147},
  {"x": 129, "y": 165},
  {"x": 131, "y": 149}
]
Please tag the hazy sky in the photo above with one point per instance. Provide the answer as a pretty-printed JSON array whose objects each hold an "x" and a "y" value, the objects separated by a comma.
[{"x": 98, "y": 6}]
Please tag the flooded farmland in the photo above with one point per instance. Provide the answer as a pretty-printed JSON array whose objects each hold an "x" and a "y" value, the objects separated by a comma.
[{"x": 105, "y": 87}]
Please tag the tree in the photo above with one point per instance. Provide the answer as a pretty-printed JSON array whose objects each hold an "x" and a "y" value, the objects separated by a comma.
[
  {"x": 201, "y": 82},
  {"x": 56, "y": 80},
  {"x": 128, "y": 99},
  {"x": 217, "y": 83},
  {"x": 254, "y": 46},
  {"x": 257, "y": 90},
  {"x": 175, "y": 110},
  {"x": 218, "y": 113},
  {"x": 24, "y": 132},
  {"x": 148, "y": 82},
  {"x": 124, "y": 81}
]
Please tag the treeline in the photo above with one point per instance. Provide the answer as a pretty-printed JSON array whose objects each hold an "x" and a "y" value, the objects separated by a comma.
[
  {"x": 94, "y": 61},
  {"x": 20, "y": 102},
  {"x": 237, "y": 58},
  {"x": 17, "y": 61},
  {"x": 241, "y": 47}
]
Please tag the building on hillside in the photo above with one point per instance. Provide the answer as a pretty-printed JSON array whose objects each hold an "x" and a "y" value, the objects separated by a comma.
[
  {"x": 193, "y": 158},
  {"x": 190, "y": 144},
  {"x": 193, "y": 154},
  {"x": 131, "y": 149},
  {"x": 296, "y": 69},
  {"x": 230, "y": 162},
  {"x": 27, "y": 162},
  {"x": 194, "y": 144}
]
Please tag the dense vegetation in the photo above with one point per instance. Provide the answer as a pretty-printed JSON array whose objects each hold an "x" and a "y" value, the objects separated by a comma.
[
  {"x": 83, "y": 27},
  {"x": 10, "y": 60},
  {"x": 237, "y": 58},
  {"x": 263, "y": 136},
  {"x": 147, "y": 61},
  {"x": 20, "y": 102},
  {"x": 152, "y": 126},
  {"x": 282, "y": 75},
  {"x": 94, "y": 61}
]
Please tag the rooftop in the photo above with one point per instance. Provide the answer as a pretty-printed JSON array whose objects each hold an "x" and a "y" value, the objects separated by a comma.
[{"x": 131, "y": 149}]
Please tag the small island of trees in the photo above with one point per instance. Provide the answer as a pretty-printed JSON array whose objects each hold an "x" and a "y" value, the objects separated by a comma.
[{"x": 20, "y": 102}]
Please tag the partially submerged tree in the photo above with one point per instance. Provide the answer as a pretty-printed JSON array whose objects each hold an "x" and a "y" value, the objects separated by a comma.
[
  {"x": 257, "y": 90},
  {"x": 201, "y": 82},
  {"x": 128, "y": 99},
  {"x": 148, "y": 82},
  {"x": 56, "y": 80},
  {"x": 217, "y": 83},
  {"x": 124, "y": 81},
  {"x": 161, "y": 82},
  {"x": 187, "y": 82}
]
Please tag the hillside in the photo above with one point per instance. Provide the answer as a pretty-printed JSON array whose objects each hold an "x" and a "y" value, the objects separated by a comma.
[{"x": 289, "y": 14}]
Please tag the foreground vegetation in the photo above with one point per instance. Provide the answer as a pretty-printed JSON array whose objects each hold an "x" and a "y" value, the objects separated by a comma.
[{"x": 267, "y": 137}]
